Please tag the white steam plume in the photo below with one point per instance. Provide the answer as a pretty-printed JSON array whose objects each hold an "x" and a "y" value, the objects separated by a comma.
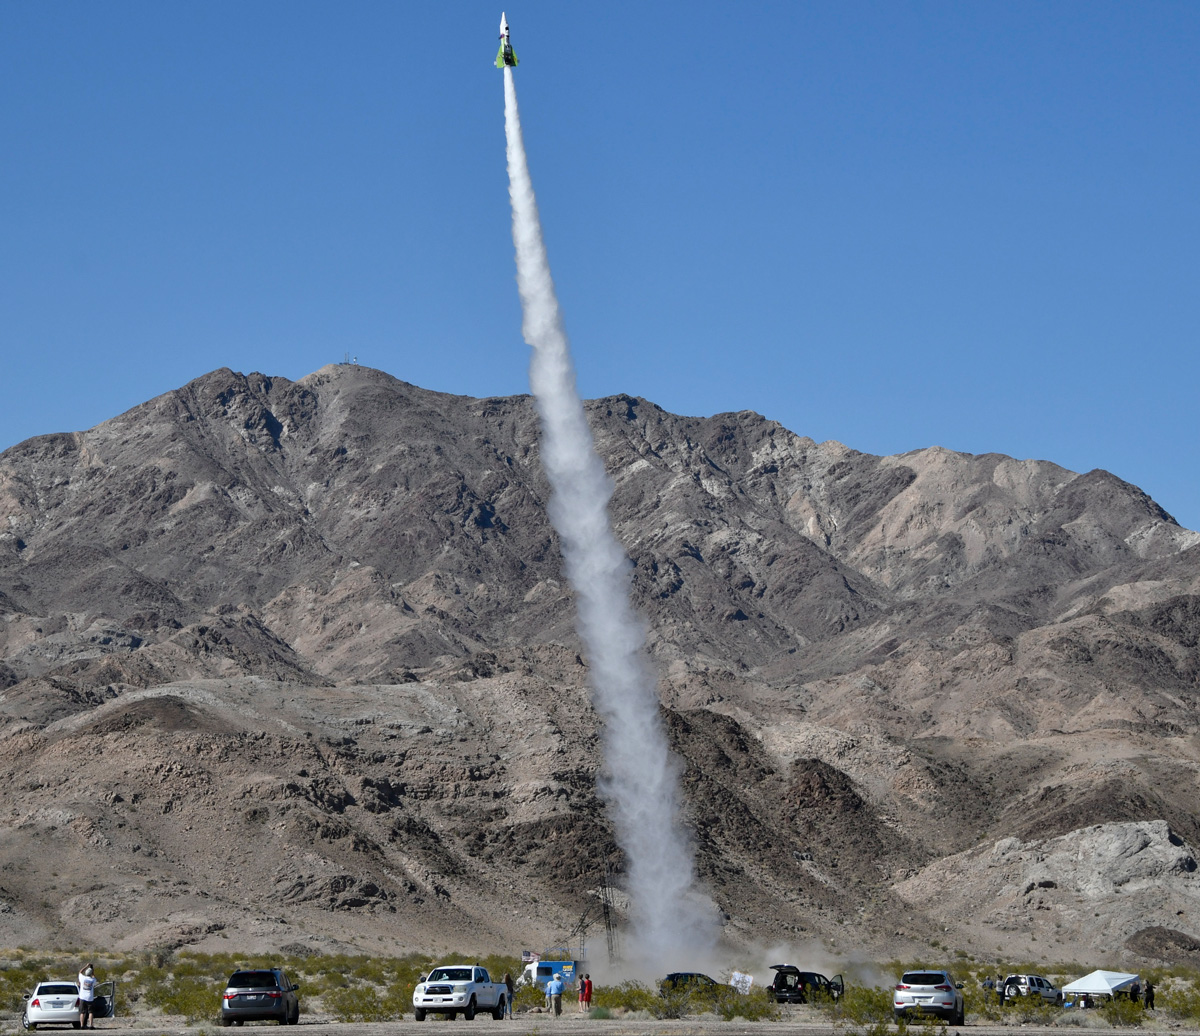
[{"x": 668, "y": 919}]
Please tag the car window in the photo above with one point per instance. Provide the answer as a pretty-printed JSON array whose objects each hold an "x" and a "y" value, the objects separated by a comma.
[
  {"x": 450, "y": 975},
  {"x": 923, "y": 978},
  {"x": 58, "y": 989},
  {"x": 253, "y": 979}
]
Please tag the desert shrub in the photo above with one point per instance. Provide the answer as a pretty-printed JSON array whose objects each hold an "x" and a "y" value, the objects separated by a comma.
[
  {"x": 364, "y": 989},
  {"x": 628, "y": 996},
  {"x": 756, "y": 1006},
  {"x": 196, "y": 999},
  {"x": 148, "y": 974},
  {"x": 497, "y": 965},
  {"x": 1180, "y": 999},
  {"x": 1029, "y": 1010},
  {"x": 368, "y": 969},
  {"x": 722, "y": 1000},
  {"x": 981, "y": 1003},
  {"x": 863, "y": 1006},
  {"x": 1121, "y": 1013},
  {"x": 874, "y": 1029},
  {"x": 365, "y": 1003},
  {"x": 674, "y": 1003},
  {"x": 527, "y": 998},
  {"x": 600, "y": 1014},
  {"x": 159, "y": 956},
  {"x": 194, "y": 967}
]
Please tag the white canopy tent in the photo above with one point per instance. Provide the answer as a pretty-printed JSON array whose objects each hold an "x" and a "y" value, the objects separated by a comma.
[{"x": 1101, "y": 983}]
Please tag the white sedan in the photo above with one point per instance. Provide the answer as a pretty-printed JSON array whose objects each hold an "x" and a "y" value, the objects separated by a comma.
[{"x": 52, "y": 1003}]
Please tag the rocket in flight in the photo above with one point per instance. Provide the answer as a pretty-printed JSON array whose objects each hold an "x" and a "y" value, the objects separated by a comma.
[{"x": 505, "y": 55}]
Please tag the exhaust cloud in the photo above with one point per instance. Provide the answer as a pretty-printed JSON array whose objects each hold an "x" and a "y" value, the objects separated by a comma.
[{"x": 670, "y": 921}]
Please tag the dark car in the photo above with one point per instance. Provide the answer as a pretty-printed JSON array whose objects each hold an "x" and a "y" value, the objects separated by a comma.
[
  {"x": 793, "y": 986},
  {"x": 686, "y": 980},
  {"x": 260, "y": 995}
]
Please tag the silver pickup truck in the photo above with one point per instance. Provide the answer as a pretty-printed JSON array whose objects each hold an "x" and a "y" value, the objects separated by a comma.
[{"x": 454, "y": 988}]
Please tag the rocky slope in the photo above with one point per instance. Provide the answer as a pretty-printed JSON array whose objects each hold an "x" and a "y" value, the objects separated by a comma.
[{"x": 293, "y": 663}]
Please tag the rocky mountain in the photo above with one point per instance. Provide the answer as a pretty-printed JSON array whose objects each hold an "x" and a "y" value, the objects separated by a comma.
[{"x": 292, "y": 664}]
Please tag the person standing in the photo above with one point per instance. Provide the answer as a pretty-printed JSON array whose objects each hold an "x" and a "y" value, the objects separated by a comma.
[
  {"x": 508, "y": 984},
  {"x": 87, "y": 997},
  {"x": 1148, "y": 993},
  {"x": 579, "y": 980},
  {"x": 587, "y": 992},
  {"x": 554, "y": 992}
]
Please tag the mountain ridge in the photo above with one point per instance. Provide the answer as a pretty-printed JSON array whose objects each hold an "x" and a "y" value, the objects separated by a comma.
[{"x": 867, "y": 664}]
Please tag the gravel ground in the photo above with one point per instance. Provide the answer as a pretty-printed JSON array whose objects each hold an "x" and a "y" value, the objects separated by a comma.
[{"x": 616, "y": 1027}]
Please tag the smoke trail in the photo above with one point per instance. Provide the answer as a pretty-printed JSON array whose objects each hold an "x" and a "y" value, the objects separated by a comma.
[{"x": 641, "y": 785}]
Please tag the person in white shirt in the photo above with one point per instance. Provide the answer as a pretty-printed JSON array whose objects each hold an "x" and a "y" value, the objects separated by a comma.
[{"x": 87, "y": 997}]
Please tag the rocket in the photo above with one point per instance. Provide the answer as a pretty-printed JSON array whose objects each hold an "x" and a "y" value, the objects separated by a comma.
[{"x": 505, "y": 55}]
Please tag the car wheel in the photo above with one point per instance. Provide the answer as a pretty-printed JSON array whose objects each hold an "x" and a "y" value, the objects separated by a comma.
[
  {"x": 238, "y": 1021},
  {"x": 498, "y": 1013},
  {"x": 1011, "y": 992},
  {"x": 898, "y": 1016},
  {"x": 225, "y": 1023},
  {"x": 451, "y": 1015},
  {"x": 74, "y": 1025},
  {"x": 419, "y": 1014},
  {"x": 469, "y": 1013},
  {"x": 25, "y": 1021}
]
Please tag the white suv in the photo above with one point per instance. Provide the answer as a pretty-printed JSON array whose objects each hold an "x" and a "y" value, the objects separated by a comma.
[
  {"x": 929, "y": 992},
  {"x": 1031, "y": 985}
]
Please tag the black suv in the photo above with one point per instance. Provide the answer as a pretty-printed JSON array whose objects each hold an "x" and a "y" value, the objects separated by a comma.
[
  {"x": 260, "y": 995},
  {"x": 793, "y": 986},
  {"x": 686, "y": 980}
]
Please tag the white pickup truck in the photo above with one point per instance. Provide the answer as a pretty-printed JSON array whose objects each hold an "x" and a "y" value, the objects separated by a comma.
[{"x": 451, "y": 988}]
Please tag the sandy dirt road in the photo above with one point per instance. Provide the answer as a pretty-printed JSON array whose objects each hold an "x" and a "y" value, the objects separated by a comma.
[{"x": 543, "y": 1024}]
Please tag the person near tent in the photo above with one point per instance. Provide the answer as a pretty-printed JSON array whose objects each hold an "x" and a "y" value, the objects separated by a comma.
[{"x": 1148, "y": 996}]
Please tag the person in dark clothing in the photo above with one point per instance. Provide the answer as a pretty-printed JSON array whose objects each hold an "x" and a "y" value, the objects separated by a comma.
[
  {"x": 1148, "y": 996},
  {"x": 508, "y": 986}
]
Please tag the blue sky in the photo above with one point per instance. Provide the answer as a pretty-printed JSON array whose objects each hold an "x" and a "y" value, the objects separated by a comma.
[{"x": 975, "y": 225}]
